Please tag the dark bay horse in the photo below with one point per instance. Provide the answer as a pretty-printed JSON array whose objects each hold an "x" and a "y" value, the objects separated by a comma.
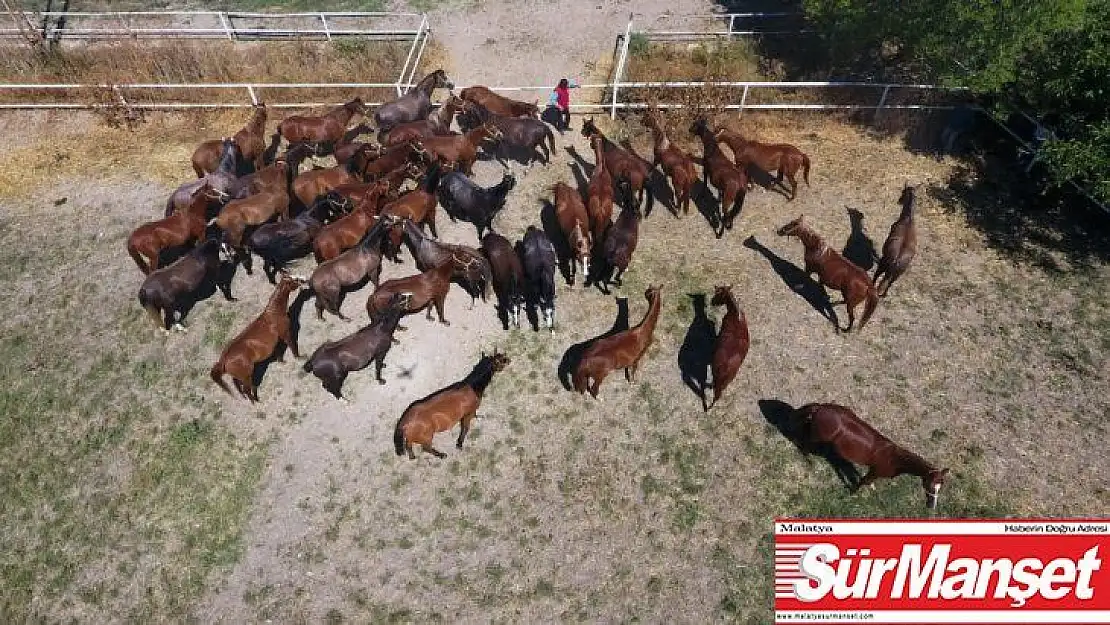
[
  {"x": 471, "y": 267},
  {"x": 440, "y": 411},
  {"x": 281, "y": 242},
  {"x": 463, "y": 199},
  {"x": 414, "y": 105},
  {"x": 855, "y": 440},
  {"x": 525, "y": 137},
  {"x": 539, "y": 259},
  {"x": 731, "y": 181},
  {"x": 732, "y": 344},
  {"x": 900, "y": 246},
  {"x": 258, "y": 341},
  {"x": 628, "y": 170},
  {"x": 167, "y": 293},
  {"x": 622, "y": 350},
  {"x": 834, "y": 271},
  {"x": 781, "y": 158},
  {"x": 353, "y": 267},
  {"x": 321, "y": 132},
  {"x": 437, "y": 123},
  {"x": 333, "y": 361},
  {"x": 508, "y": 276}
]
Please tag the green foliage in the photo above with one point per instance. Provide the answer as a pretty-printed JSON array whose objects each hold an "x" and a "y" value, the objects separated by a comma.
[{"x": 1051, "y": 56}]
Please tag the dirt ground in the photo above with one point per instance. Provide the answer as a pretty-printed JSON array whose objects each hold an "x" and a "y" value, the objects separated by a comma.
[{"x": 560, "y": 508}]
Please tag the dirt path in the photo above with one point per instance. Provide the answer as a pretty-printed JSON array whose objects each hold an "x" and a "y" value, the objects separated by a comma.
[{"x": 337, "y": 458}]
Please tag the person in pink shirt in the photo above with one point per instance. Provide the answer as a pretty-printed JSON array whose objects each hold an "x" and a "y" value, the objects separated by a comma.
[{"x": 560, "y": 99}]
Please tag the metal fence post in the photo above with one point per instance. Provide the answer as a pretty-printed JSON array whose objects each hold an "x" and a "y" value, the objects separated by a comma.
[
  {"x": 324, "y": 19},
  {"x": 618, "y": 74},
  {"x": 743, "y": 100},
  {"x": 254, "y": 98},
  {"x": 226, "y": 24},
  {"x": 731, "y": 24},
  {"x": 882, "y": 102}
]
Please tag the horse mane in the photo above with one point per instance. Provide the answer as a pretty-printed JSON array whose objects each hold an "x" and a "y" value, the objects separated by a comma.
[
  {"x": 911, "y": 461},
  {"x": 480, "y": 376}
]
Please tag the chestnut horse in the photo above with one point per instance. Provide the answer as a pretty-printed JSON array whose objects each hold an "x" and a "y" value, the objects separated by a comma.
[
  {"x": 470, "y": 266},
  {"x": 184, "y": 227},
  {"x": 321, "y": 132},
  {"x": 419, "y": 205},
  {"x": 781, "y": 158},
  {"x": 732, "y": 344},
  {"x": 855, "y": 440},
  {"x": 900, "y": 246},
  {"x": 498, "y": 104},
  {"x": 461, "y": 149},
  {"x": 440, "y": 411},
  {"x": 316, "y": 182},
  {"x": 437, "y": 123},
  {"x": 251, "y": 141},
  {"x": 575, "y": 225},
  {"x": 346, "y": 232},
  {"x": 627, "y": 169},
  {"x": 258, "y": 341},
  {"x": 622, "y": 350},
  {"x": 599, "y": 194},
  {"x": 414, "y": 105},
  {"x": 428, "y": 289},
  {"x": 731, "y": 181},
  {"x": 834, "y": 271},
  {"x": 676, "y": 163}
]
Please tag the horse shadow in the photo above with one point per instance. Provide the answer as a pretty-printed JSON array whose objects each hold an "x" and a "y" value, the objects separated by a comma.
[
  {"x": 582, "y": 169},
  {"x": 707, "y": 204},
  {"x": 780, "y": 415},
  {"x": 696, "y": 352},
  {"x": 859, "y": 248},
  {"x": 797, "y": 280},
  {"x": 519, "y": 154},
  {"x": 574, "y": 353},
  {"x": 765, "y": 180},
  {"x": 657, "y": 185},
  {"x": 550, "y": 224}
]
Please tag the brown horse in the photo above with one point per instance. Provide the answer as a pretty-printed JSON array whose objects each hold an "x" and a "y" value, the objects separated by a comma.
[
  {"x": 414, "y": 105},
  {"x": 251, "y": 141},
  {"x": 419, "y": 205},
  {"x": 461, "y": 149},
  {"x": 440, "y": 411},
  {"x": 258, "y": 341},
  {"x": 331, "y": 278},
  {"x": 391, "y": 159},
  {"x": 437, "y": 123},
  {"x": 781, "y": 158},
  {"x": 346, "y": 232},
  {"x": 676, "y": 163},
  {"x": 470, "y": 266},
  {"x": 834, "y": 271},
  {"x": 627, "y": 169},
  {"x": 731, "y": 181},
  {"x": 254, "y": 210},
  {"x": 855, "y": 440},
  {"x": 599, "y": 194},
  {"x": 356, "y": 192},
  {"x": 575, "y": 225},
  {"x": 900, "y": 246},
  {"x": 732, "y": 344},
  {"x": 314, "y": 182},
  {"x": 321, "y": 132},
  {"x": 428, "y": 289},
  {"x": 622, "y": 350},
  {"x": 347, "y": 147},
  {"x": 498, "y": 104},
  {"x": 185, "y": 227}
]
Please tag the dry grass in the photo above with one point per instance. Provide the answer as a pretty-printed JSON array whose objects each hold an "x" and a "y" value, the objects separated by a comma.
[{"x": 183, "y": 61}]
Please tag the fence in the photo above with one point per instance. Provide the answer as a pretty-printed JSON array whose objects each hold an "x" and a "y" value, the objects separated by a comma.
[
  {"x": 236, "y": 26},
  {"x": 731, "y": 25}
]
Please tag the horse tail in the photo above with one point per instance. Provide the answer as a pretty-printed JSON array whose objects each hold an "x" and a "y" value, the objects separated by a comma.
[
  {"x": 579, "y": 378},
  {"x": 399, "y": 437},
  {"x": 140, "y": 261},
  {"x": 487, "y": 277},
  {"x": 550, "y": 137},
  {"x": 872, "y": 302},
  {"x": 805, "y": 168},
  {"x": 217, "y": 375},
  {"x": 169, "y": 206},
  {"x": 309, "y": 363}
]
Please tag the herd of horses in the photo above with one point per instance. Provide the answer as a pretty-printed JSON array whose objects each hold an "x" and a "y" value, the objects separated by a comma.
[{"x": 249, "y": 200}]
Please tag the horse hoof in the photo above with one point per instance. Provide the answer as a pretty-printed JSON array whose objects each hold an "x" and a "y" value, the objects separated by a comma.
[
  {"x": 381, "y": 381},
  {"x": 445, "y": 322}
]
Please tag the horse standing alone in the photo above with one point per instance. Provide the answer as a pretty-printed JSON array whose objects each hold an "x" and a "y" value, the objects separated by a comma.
[
  {"x": 857, "y": 441},
  {"x": 732, "y": 344},
  {"x": 900, "y": 246},
  {"x": 619, "y": 351},
  {"x": 440, "y": 411}
]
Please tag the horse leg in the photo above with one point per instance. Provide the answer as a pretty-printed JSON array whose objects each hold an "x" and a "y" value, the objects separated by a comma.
[
  {"x": 793, "y": 185},
  {"x": 464, "y": 428},
  {"x": 379, "y": 364},
  {"x": 155, "y": 316},
  {"x": 439, "y": 309},
  {"x": 427, "y": 447},
  {"x": 335, "y": 387},
  {"x": 867, "y": 480},
  {"x": 430, "y": 221},
  {"x": 851, "y": 306},
  {"x": 287, "y": 337}
]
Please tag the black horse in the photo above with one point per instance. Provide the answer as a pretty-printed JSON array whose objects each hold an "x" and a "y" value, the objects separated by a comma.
[
  {"x": 538, "y": 253},
  {"x": 462, "y": 199}
]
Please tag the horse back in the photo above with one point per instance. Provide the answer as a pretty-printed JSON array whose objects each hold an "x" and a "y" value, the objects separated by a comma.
[{"x": 444, "y": 409}]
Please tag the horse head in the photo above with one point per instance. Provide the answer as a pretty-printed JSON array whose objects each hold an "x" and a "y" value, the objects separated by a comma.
[
  {"x": 700, "y": 125},
  {"x": 500, "y": 361},
  {"x": 907, "y": 196},
  {"x": 932, "y": 482},
  {"x": 793, "y": 227},
  {"x": 589, "y": 128},
  {"x": 721, "y": 295}
]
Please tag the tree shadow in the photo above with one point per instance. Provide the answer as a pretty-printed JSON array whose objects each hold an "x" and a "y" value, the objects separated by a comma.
[
  {"x": 696, "y": 352},
  {"x": 780, "y": 415},
  {"x": 859, "y": 249},
  {"x": 797, "y": 280},
  {"x": 574, "y": 353}
]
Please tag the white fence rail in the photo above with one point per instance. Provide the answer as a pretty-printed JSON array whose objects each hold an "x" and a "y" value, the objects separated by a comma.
[{"x": 58, "y": 25}]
